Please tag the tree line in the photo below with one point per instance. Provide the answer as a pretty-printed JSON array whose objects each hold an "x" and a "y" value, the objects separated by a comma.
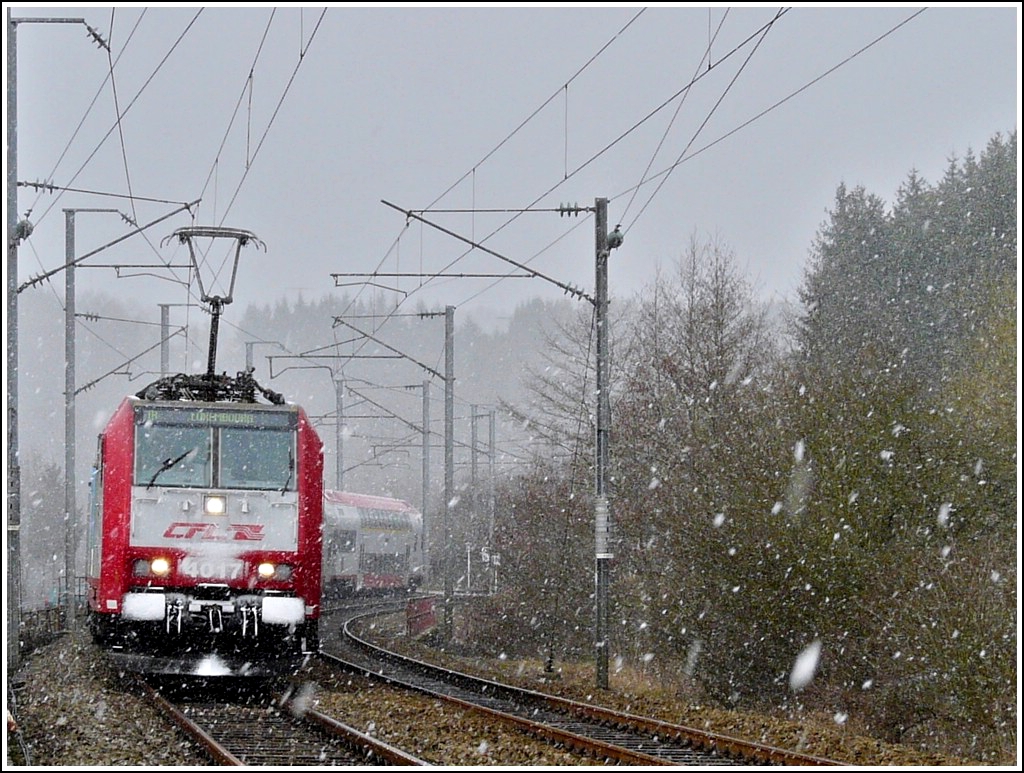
[{"x": 840, "y": 480}]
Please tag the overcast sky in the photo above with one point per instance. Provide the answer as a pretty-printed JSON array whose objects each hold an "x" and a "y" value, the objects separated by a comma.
[{"x": 296, "y": 124}]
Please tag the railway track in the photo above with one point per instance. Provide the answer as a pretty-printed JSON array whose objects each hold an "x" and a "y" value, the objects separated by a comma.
[
  {"x": 245, "y": 731},
  {"x": 598, "y": 732},
  {"x": 254, "y": 727}
]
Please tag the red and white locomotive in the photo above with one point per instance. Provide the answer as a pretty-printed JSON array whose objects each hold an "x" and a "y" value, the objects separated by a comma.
[
  {"x": 205, "y": 525},
  {"x": 371, "y": 543}
]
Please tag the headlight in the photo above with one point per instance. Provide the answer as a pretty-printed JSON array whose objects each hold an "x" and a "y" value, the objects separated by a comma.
[
  {"x": 214, "y": 504},
  {"x": 265, "y": 570},
  {"x": 269, "y": 571},
  {"x": 144, "y": 568}
]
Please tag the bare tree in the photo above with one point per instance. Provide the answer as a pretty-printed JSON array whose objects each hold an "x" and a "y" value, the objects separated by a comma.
[{"x": 696, "y": 445}]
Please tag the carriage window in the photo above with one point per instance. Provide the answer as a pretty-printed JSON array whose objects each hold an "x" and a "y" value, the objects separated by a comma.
[
  {"x": 172, "y": 456},
  {"x": 386, "y": 520},
  {"x": 257, "y": 459},
  {"x": 345, "y": 541}
]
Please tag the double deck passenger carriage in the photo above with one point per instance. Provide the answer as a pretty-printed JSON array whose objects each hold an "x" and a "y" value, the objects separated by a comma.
[{"x": 371, "y": 544}]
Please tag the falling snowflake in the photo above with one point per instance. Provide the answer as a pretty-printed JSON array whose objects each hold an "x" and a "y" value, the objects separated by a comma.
[{"x": 805, "y": 666}]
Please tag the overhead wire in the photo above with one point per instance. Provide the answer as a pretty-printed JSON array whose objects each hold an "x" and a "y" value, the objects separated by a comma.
[
  {"x": 231, "y": 121},
  {"x": 664, "y": 174},
  {"x": 496, "y": 148},
  {"x": 250, "y": 159},
  {"x": 273, "y": 117},
  {"x": 780, "y": 102},
  {"x": 227, "y": 132},
  {"x": 134, "y": 99},
  {"x": 583, "y": 412},
  {"x": 472, "y": 173},
  {"x": 48, "y": 187},
  {"x": 763, "y": 33},
  {"x": 602, "y": 151},
  {"x": 707, "y": 118},
  {"x": 117, "y": 112},
  {"x": 644, "y": 178},
  {"x": 706, "y": 56},
  {"x": 247, "y": 88},
  {"x": 544, "y": 104},
  {"x": 119, "y": 115},
  {"x": 683, "y": 159},
  {"x": 85, "y": 115}
]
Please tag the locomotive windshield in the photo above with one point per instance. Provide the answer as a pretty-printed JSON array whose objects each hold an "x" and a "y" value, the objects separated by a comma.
[
  {"x": 188, "y": 447},
  {"x": 257, "y": 459},
  {"x": 173, "y": 456}
]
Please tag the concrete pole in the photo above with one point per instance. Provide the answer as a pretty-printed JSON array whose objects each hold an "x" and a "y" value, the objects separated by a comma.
[
  {"x": 472, "y": 447},
  {"x": 602, "y": 511},
  {"x": 474, "y": 512},
  {"x": 13, "y": 464},
  {"x": 69, "y": 418},
  {"x": 449, "y": 463},
  {"x": 339, "y": 462},
  {"x": 491, "y": 503},
  {"x": 425, "y": 476}
]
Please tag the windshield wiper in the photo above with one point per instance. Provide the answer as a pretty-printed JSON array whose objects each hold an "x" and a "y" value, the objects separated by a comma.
[
  {"x": 165, "y": 466},
  {"x": 291, "y": 469}
]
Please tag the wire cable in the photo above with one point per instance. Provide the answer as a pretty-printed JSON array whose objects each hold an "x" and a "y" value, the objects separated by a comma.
[
  {"x": 472, "y": 171},
  {"x": 238, "y": 104},
  {"x": 610, "y": 145},
  {"x": 277, "y": 109},
  {"x": 728, "y": 134},
  {"x": 117, "y": 112},
  {"x": 250, "y": 159},
  {"x": 88, "y": 110},
  {"x": 705, "y": 57},
  {"x": 129, "y": 107},
  {"x": 707, "y": 118},
  {"x": 546, "y": 102},
  {"x": 780, "y": 102}
]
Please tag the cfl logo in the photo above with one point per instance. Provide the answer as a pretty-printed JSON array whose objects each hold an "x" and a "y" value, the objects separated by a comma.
[{"x": 250, "y": 532}]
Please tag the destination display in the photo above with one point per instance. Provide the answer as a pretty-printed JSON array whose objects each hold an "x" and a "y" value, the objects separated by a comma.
[{"x": 192, "y": 416}]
